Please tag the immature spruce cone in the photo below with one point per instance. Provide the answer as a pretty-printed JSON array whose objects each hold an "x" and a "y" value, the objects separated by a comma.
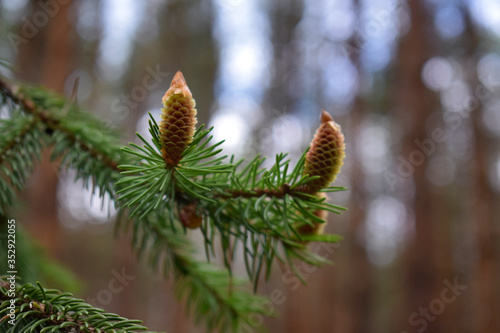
[
  {"x": 178, "y": 120},
  {"x": 189, "y": 217},
  {"x": 326, "y": 155}
]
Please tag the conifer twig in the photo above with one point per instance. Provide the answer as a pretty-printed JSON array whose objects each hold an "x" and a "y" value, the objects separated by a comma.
[
  {"x": 37, "y": 309},
  {"x": 53, "y": 123}
]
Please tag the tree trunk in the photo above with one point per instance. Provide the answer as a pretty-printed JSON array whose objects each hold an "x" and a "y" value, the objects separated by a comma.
[
  {"x": 355, "y": 294},
  {"x": 484, "y": 222},
  {"x": 47, "y": 59},
  {"x": 421, "y": 280}
]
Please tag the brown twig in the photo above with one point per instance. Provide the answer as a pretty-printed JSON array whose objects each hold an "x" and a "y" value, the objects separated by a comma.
[{"x": 51, "y": 122}]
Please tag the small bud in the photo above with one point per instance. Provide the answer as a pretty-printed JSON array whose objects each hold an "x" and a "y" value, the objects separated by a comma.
[
  {"x": 178, "y": 120},
  {"x": 326, "y": 155},
  {"x": 189, "y": 218}
]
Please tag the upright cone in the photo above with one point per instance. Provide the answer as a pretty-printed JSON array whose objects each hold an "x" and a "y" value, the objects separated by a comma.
[
  {"x": 326, "y": 155},
  {"x": 178, "y": 120}
]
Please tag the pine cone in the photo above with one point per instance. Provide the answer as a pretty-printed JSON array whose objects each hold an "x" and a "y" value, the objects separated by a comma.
[
  {"x": 178, "y": 120},
  {"x": 326, "y": 155}
]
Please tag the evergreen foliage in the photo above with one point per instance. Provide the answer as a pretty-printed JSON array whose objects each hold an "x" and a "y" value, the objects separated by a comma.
[
  {"x": 38, "y": 309},
  {"x": 33, "y": 263},
  {"x": 266, "y": 214}
]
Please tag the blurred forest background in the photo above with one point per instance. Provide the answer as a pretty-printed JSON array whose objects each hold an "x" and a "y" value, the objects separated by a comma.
[{"x": 414, "y": 84}]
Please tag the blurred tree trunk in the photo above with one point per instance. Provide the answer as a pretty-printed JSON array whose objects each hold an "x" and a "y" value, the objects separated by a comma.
[
  {"x": 284, "y": 16},
  {"x": 47, "y": 59},
  {"x": 484, "y": 278},
  {"x": 355, "y": 291},
  {"x": 191, "y": 49},
  {"x": 422, "y": 279},
  {"x": 287, "y": 66}
]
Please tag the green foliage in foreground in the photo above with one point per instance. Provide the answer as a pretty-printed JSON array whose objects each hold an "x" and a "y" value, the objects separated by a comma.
[
  {"x": 242, "y": 206},
  {"x": 33, "y": 308}
]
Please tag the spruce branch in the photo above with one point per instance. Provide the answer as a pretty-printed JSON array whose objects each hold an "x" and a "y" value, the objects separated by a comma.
[
  {"x": 213, "y": 295},
  {"x": 68, "y": 132},
  {"x": 266, "y": 212},
  {"x": 180, "y": 181},
  {"x": 37, "y": 309},
  {"x": 21, "y": 143},
  {"x": 74, "y": 134},
  {"x": 44, "y": 105}
]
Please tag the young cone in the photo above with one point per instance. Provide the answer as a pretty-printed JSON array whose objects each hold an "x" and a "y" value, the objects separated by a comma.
[
  {"x": 324, "y": 159},
  {"x": 178, "y": 120},
  {"x": 189, "y": 218},
  {"x": 326, "y": 155}
]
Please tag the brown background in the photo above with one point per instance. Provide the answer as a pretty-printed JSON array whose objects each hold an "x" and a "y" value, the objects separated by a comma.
[{"x": 423, "y": 152}]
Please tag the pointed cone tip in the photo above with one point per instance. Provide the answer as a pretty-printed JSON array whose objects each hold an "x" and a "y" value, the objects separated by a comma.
[
  {"x": 177, "y": 86},
  {"x": 325, "y": 116},
  {"x": 178, "y": 80}
]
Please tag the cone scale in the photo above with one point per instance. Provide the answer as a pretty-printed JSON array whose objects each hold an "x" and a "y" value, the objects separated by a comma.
[
  {"x": 326, "y": 155},
  {"x": 178, "y": 120},
  {"x": 324, "y": 159}
]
